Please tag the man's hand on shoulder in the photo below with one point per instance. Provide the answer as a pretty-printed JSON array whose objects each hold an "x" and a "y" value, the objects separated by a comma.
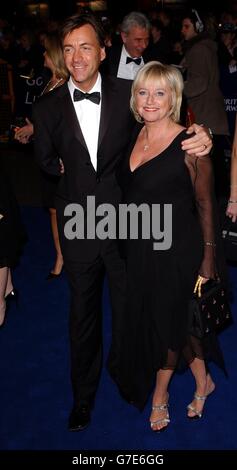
[{"x": 199, "y": 144}]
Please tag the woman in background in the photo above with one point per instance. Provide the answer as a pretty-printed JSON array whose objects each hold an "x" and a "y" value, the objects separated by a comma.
[
  {"x": 12, "y": 238},
  {"x": 53, "y": 60}
]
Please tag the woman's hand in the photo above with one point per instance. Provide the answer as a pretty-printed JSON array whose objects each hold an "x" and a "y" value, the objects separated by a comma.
[
  {"x": 231, "y": 210},
  {"x": 61, "y": 166},
  {"x": 23, "y": 134},
  {"x": 198, "y": 286},
  {"x": 200, "y": 144}
]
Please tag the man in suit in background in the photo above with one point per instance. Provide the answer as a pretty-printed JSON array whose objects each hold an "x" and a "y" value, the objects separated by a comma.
[
  {"x": 125, "y": 59},
  {"x": 85, "y": 126}
]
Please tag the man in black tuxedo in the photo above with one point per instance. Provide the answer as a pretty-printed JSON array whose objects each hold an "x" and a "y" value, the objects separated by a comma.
[
  {"x": 82, "y": 130},
  {"x": 125, "y": 59}
]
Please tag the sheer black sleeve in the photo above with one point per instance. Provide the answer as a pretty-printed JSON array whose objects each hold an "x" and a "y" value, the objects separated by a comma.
[{"x": 200, "y": 169}]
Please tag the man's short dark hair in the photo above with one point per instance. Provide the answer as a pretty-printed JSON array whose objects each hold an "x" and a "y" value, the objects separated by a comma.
[{"x": 76, "y": 21}]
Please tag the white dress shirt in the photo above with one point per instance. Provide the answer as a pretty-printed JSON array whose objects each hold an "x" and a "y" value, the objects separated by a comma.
[
  {"x": 88, "y": 115},
  {"x": 127, "y": 71}
]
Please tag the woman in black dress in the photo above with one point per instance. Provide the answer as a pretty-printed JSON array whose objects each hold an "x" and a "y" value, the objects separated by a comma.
[
  {"x": 53, "y": 60},
  {"x": 12, "y": 237},
  {"x": 154, "y": 330}
]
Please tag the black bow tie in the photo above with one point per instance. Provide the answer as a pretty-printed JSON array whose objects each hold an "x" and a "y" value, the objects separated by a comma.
[
  {"x": 137, "y": 61},
  {"x": 79, "y": 95}
]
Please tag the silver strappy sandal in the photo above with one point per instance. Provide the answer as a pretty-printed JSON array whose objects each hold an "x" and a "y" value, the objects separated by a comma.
[
  {"x": 165, "y": 420},
  {"x": 198, "y": 414}
]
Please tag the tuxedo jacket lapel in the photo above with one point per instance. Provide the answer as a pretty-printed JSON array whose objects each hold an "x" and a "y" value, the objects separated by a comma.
[
  {"x": 108, "y": 96},
  {"x": 107, "y": 106},
  {"x": 112, "y": 60},
  {"x": 70, "y": 116}
]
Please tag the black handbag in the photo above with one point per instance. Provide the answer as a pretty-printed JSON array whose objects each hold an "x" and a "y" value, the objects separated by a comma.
[{"x": 210, "y": 312}]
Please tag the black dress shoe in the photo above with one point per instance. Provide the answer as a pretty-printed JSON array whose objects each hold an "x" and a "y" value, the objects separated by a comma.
[
  {"x": 52, "y": 276},
  {"x": 12, "y": 296},
  {"x": 79, "y": 418}
]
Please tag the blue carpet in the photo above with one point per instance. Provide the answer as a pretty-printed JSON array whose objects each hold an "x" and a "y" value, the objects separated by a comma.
[{"x": 35, "y": 391}]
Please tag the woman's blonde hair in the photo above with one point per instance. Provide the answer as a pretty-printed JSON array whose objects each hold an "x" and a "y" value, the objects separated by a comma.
[
  {"x": 157, "y": 72},
  {"x": 53, "y": 47}
]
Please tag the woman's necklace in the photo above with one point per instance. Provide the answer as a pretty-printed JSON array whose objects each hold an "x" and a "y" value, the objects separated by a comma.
[
  {"x": 50, "y": 88},
  {"x": 146, "y": 145},
  {"x": 55, "y": 84}
]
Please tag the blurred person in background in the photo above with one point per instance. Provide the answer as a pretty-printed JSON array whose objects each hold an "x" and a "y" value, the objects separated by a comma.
[
  {"x": 53, "y": 60},
  {"x": 12, "y": 239},
  {"x": 231, "y": 210},
  {"x": 202, "y": 90}
]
